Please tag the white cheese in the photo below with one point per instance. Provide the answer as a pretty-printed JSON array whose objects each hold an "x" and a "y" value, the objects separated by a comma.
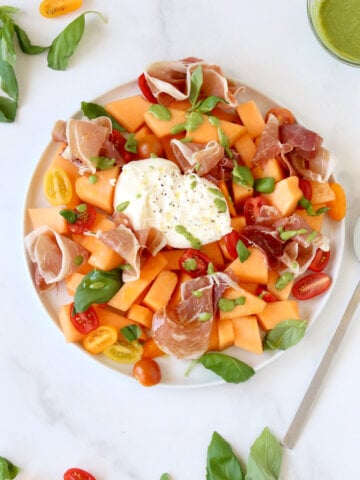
[{"x": 157, "y": 194}]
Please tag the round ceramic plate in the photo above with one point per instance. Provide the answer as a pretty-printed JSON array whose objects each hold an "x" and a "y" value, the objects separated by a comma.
[{"x": 173, "y": 370}]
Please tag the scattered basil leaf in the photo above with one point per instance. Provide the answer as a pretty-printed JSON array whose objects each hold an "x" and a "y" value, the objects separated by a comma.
[
  {"x": 195, "y": 242},
  {"x": 265, "y": 458},
  {"x": 210, "y": 268},
  {"x": 224, "y": 142},
  {"x": 189, "y": 264},
  {"x": 286, "y": 334},
  {"x": 179, "y": 128},
  {"x": 131, "y": 143},
  {"x": 205, "y": 316},
  {"x": 221, "y": 462},
  {"x": 102, "y": 163},
  {"x": 131, "y": 332},
  {"x": 242, "y": 251},
  {"x": 264, "y": 185},
  {"x": 283, "y": 280},
  {"x": 308, "y": 206},
  {"x": 122, "y": 206},
  {"x": 229, "y": 304},
  {"x": 8, "y": 471},
  {"x": 221, "y": 205},
  {"x": 196, "y": 81},
  {"x": 8, "y": 82},
  {"x": 242, "y": 175},
  {"x": 97, "y": 286},
  {"x": 93, "y": 110},
  {"x": 8, "y": 109},
  {"x": 214, "y": 121},
  {"x": 69, "y": 215},
  {"x": 160, "y": 111},
  {"x": 312, "y": 236},
  {"x": 208, "y": 104},
  {"x": 65, "y": 44},
  {"x": 228, "y": 368},
  {"x": 193, "y": 121},
  {"x": 25, "y": 42},
  {"x": 216, "y": 192},
  {"x": 288, "y": 234}
]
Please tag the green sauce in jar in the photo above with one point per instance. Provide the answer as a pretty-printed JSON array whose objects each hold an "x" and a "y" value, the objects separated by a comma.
[{"x": 337, "y": 22}]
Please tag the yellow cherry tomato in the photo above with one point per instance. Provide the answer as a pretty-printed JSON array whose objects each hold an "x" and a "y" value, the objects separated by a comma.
[
  {"x": 124, "y": 351},
  {"x": 54, "y": 8},
  {"x": 99, "y": 339},
  {"x": 57, "y": 186}
]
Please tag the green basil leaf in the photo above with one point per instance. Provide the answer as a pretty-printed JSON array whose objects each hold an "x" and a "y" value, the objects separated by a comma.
[
  {"x": 265, "y": 458},
  {"x": 97, "y": 287},
  {"x": 8, "y": 471},
  {"x": 131, "y": 332},
  {"x": 25, "y": 42},
  {"x": 7, "y": 47},
  {"x": 7, "y": 10},
  {"x": 284, "y": 280},
  {"x": 228, "y": 368},
  {"x": 69, "y": 215},
  {"x": 131, "y": 143},
  {"x": 224, "y": 142},
  {"x": 93, "y": 110},
  {"x": 288, "y": 234},
  {"x": 209, "y": 103},
  {"x": 286, "y": 334},
  {"x": 229, "y": 304},
  {"x": 221, "y": 462},
  {"x": 307, "y": 205},
  {"x": 160, "y": 112},
  {"x": 102, "y": 163},
  {"x": 8, "y": 108},
  {"x": 165, "y": 476},
  {"x": 242, "y": 251},
  {"x": 179, "y": 128},
  {"x": 242, "y": 175},
  {"x": 214, "y": 121},
  {"x": 8, "y": 82},
  {"x": 221, "y": 205},
  {"x": 193, "y": 121},
  {"x": 196, "y": 81},
  {"x": 65, "y": 44},
  {"x": 122, "y": 206},
  {"x": 264, "y": 185}
]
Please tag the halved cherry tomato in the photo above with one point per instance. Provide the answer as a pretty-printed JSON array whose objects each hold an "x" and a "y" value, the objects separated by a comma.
[
  {"x": 57, "y": 186},
  {"x": 147, "y": 371},
  {"x": 145, "y": 89},
  {"x": 311, "y": 286},
  {"x": 124, "y": 351},
  {"x": 119, "y": 142},
  {"x": 252, "y": 206},
  {"x": 85, "y": 219},
  {"x": 148, "y": 145},
  {"x": 265, "y": 295},
  {"x": 54, "y": 8},
  {"x": 194, "y": 262},
  {"x": 99, "y": 339},
  {"x": 84, "y": 322},
  {"x": 231, "y": 240},
  {"x": 78, "y": 474},
  {"x": 320, "y": 261},
  {"x": 282, "y": 114}
]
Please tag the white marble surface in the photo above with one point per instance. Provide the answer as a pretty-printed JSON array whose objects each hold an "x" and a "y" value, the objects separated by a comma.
[{"x": 57, "y": 410}]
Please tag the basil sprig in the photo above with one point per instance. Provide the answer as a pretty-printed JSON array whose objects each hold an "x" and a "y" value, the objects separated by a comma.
[
  {"x": 286, "y": 334},
  {"x": 97, "y": 286},
  {"x": 8, "y": 471},
  {"x": 227, "y": 367}
]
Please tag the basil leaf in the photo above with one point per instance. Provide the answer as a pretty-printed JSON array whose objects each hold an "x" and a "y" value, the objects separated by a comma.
[
  {"x": 228, "y": 368},
  {"x": 65, "y": 44},
  {"x": 122, "y": 206},
  {"x": 196, "y": 81},
  {"x": 193, "y": 121},
  {"x": 221, "y": 205},
  {"x": 264, "y": 185},
  {"x": 165, "y": 476},
  {"x": 160, "y": 112},
  {"x": 25, "y": 43},
  {"x": 93, "y": 110},
  {"x": 102, "y": 163},
  {"x": 221, "y": 462},
  {"x": 214, "y": 121},
  {"x": 69, "y": 215},
  {"x": 286, "y": 334},
  {"x": 131, "y": 143},
  {"x": 208, "y": 104},
  {"x": 229, "y": 304},
  {"x": 242, "y": 251},
  {"x": 284, "y": 280},
  {"x": 8, "y": 471},
  {"x": 97, "y": 287},
  {"x": 131, "y": 332},
  {"x": 265, "y": 458},
  {"x": 8, "y": 109},
  {"x": 307, "y": 205},
  {"x": 242, "y": 175},
  {"x": 7, "y": 47},
  {"x": 8, "y": 82},
  {"x": 224, "y": 142}
]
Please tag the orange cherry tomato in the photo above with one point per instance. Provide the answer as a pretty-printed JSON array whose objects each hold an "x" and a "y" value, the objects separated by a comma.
[
  {"x": 147, "y": 372},
  {"x": 57, "y": 187},
  {"x": 148, "y": 145},
  {"x": 99, "y": 339},
  {"x": 54, "y": 8},
  {"x": 282, "y": 114},
  {"x": 338, "y": 206}
]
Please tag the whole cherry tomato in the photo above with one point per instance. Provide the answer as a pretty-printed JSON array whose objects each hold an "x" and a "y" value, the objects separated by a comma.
[{"x": 147, "y": 372}]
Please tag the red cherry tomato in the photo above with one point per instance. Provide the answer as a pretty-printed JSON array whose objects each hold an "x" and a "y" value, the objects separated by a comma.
[
  {"x": 119, "y": 141},
  {"x": 86, "y": 215},
  {"x": 84, "y": 322},
  {"x": 194, "y": 262},
  {"x": 145, "y": 89},
  {"x": 305, "y": 187},
  {"x": 231, "y": 240},
  {"x": 320, "y": 261},
  {"x": 282, "y": 114},
  {"x": 78, "y": 474},
  {"x": 147, "y": 372},
  {"x": 265, "y": 295},
  {"x": 252, "y": 208},
  {"x": 311, "y": 286}
]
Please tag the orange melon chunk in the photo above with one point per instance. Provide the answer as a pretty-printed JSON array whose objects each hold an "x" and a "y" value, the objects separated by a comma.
[
  {"x": 282, "y": 294},
  {"x": 247, "y": 334},
  {"x": 129, "y": 111},
  {"x": 251, "y": 117},
  {"x": 253, "y": 270},
  {"x": 48, "y": 216},
  {"x": 163, "y": 128},
  {"x": 140, "y": 314},
  {"x": 225, "y": 333},
  {"x": 252, "y": 305},
  {"x": 161, "y": 290},
  {"x": 206, "y": 132},
  {"x": 68, "y": 329},
  {"x": 246, "y": 148},
  {"x": 276, "y": 312},
  {"x": 285, "y": 196},
  {"x": 272, "y": 168},
  {"x": 114, "y": 319}
]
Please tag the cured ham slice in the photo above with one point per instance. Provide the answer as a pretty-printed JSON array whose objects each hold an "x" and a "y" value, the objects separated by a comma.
[
  {"x": 170, "y": 80},
  {"x": 184, "y": 330},
  {"x": 191, "y": 155},
  {"x": 318, "y": 168},
  {"x": 304, "y": 141},
  {"x": 269, "y": 145},
  {"x": 54, "y": 256}
]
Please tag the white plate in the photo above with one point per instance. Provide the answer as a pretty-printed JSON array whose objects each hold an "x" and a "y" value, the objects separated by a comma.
[{"x": 173, "y": 371}]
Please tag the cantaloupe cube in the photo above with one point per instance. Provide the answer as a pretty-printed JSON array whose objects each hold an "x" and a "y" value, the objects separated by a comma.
[
  {"x": 101, "y": 193},
  {"x": 142, "y": 132},
  {"x": 213, "y": 251},
  {"x": 225, "y": 333},
  {"x": 314, "y": 221},
  {"x": 161, "y": 290},
  {"x": 246, "y": 148},
  {"x": 176, "y": 296},
  {"x": 163, "y": 128},
  {"x": 276, "y": 312},
  {"x": 173, "y": 257},
  {"x": 282, "y": 294},
  {"x": 272, "y": 168},
  {"x": 114, "y": 319},
  {"x": 253, "y": 270},
  {"x": 140, "y": 314},
  {"x": 247, "y": 334},
  {"x": 229, "y": 201},
  {"x": 285, "y": 196},
  {"x": 238, "y": 223},
  {"x": 129, "y": 111},
  {"x": 214, "y": 337},
  {"x": 69, "y": 331},
  {"x": 251, "y": 117},
  {"x": 184, "y": 105},
  {"x": 240, "y": 193},
  {"x": 206, "y": 132},
  {"x": 72, "y": 281},
  {"x": 321, "y": 192},
  {"x": 252, "y": 305},
  {"x": 49, "y": 216}
]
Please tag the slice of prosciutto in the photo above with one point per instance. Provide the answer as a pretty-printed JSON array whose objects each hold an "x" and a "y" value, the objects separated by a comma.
[
  {"x": 194, "y": 155},
  {"x": 54, "y": 256},
  {"x": 171, "y": 80},
  {"x": 184, "y": 330}
]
